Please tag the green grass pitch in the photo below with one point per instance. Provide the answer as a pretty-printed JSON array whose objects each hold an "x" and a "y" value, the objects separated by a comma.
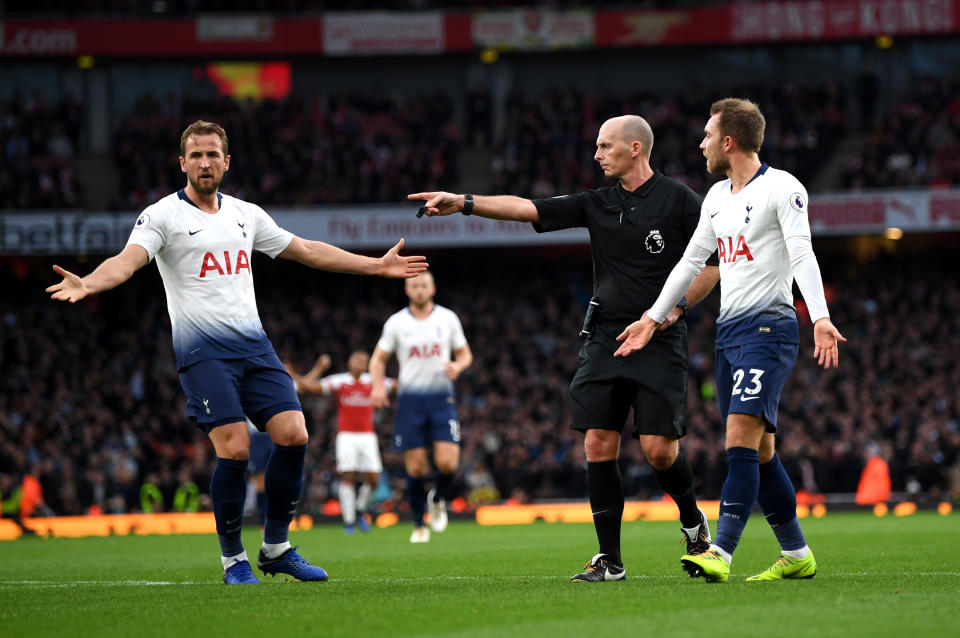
[{"x": 877, "y": 577}]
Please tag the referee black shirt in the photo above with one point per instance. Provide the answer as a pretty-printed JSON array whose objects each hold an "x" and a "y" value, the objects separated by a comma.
[{"x": 636, "y": 238}]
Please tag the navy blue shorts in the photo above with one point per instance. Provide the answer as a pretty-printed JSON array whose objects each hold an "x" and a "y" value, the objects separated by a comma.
[
  {"x": 750, "y": 378},
  {"x": 221, "y": 391},
  {"x": 261, "y": 447},
  {"x": 422, "y": 419}
]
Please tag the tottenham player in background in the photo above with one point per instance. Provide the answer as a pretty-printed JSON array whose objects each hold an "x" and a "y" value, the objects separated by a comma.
[
  {"x": 757, "y": 221},
  {"x": 202, "y": 241},
  {"x": 357, "y": 449},
  {"x": 423, "y": 336}
]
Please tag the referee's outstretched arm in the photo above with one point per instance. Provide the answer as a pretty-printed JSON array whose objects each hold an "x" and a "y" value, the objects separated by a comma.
[{"x": 505, "y": 207}]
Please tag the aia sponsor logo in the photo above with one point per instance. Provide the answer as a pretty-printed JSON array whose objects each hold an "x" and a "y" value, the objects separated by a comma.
[
  {"x": 226, "y": 265},
  {"x": 730, "y": 249},
  {"x": 426, "y": 351}
]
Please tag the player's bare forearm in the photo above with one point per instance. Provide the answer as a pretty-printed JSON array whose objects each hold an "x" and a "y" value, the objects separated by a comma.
[
  {"x": 378, "y": 369},
  {"x": 702, "y": 285},
  {"x": 463, "y": 359},
  {"x": 503, "y": 207},
  {"x": 310, "y": 386},
  {"x": 323, "y": 256},
  {"x": 116, "y": 270},
  {"x": 699, "y": 289},
  {"x": 321, "y": 365},
  {"x": 110, "y": 274}
]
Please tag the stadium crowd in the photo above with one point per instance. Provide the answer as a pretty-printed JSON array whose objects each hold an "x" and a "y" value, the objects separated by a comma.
[
  {"x": 916, "y": 143},
  {"x": 332, "y": 150},
  {"x": 38, "y": 143},
  {"x": 352, "y": 148},
  {"x": 91, "y": 407},
  {"x": 549, "y": 139}
]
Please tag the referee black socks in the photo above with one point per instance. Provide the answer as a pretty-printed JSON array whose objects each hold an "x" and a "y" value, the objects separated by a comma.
[
  {"x": 677, "y": 481},
  {"x": 605, "y": 487}
]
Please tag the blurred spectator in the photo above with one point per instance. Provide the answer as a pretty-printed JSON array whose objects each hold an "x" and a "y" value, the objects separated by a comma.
[
  {"x": 297, "y": 151},
  {"x": 37, "y": 147},
  {"x": 914, "y": 142},
  {"x": 548, "y": 142}
]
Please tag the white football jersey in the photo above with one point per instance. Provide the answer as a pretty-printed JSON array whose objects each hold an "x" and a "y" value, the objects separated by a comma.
[
  {"x": 749, "y": 232},
  {"x": 205, "y": 262},
  {"x": 423, "y": 347}
]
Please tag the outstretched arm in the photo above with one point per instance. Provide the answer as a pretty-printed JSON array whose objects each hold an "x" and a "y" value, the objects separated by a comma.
[
  {"x": 505, "y": 207},
  {"x": 110, "y": 274},
  {"x": 318, "y": 254},
  {"x": 309, "y": 382}
]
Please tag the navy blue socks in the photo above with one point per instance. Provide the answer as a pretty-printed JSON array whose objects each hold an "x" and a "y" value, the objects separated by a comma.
[
  {"x": 737, "y": 496},
  {"x": 417, "y": 497},
  {"x": 228, "y": 490},
  {"x": 778, "y": 500},
  {"x": 283, "y": 481},
  {"x": 605, "y": 487},
  {"x": 443, "y": 484}
]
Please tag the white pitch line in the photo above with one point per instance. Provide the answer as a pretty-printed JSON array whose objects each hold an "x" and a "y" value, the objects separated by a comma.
[
  {"x": 421, "y": 579},
  {"x": 94, "y": 583}
]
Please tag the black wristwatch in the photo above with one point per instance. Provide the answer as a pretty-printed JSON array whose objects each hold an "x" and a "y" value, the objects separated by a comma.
[
  {"x": 684, "y": 305},
  {"x": 467, "y": 205}
]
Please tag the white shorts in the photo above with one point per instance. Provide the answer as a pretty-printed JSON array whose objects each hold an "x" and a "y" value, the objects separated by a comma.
[{"x": 358, "y": 452}]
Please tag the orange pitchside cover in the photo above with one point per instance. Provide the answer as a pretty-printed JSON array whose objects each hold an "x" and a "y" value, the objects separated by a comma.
[
  {"x": 874, "y": 484},
  {"x": 31, "y": 495},
  {"x": 124, "y": 525}
]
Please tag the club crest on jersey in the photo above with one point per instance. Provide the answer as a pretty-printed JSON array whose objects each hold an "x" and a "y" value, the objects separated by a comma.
[
  {"x": 241, "y": 229},
  {"x": 229, "y": 267},
  {"x": 798, "y": 203},
  {"x": 746, "y": 220},
  {"x": 728, "y": 254},
  {"x": 654, "y": 241},
  {"x": 143, "y": 220}
]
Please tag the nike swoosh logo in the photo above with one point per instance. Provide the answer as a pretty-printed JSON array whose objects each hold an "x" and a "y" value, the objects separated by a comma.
[
  {"x": 193, "y": 232},
  {"x": 233, "y": 521},
  {"x": 748, "y": 398},
  {"x": 726, "y": 504},
  {"x": 712, "y": 215},
  {"x": 600, "y": 512}
]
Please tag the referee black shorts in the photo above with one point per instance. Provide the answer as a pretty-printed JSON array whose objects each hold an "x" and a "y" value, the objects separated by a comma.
[{"x": 652, "y": 381}]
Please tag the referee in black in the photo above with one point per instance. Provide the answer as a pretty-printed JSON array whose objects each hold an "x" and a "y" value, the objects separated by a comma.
[{"x": 638, "y": 231}]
